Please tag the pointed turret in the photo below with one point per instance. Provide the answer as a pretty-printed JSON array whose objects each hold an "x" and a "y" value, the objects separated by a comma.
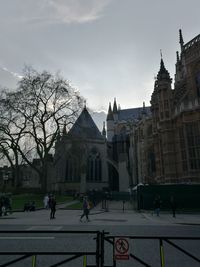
[
  {"x": 110, "y": 113},
  {"x": 144, "y": 112},
  {"x": 163, "y": 74},
  {"x": 115, "y": 111},
  {"x": 181, "y": 42},
  {"x": 177, "y": 57},
  {"x": 178, "y": 73},
  {"x": 104, "y": 130},
  {"x": 110, "y": 124},
  {"x": 114, "y": 106}
]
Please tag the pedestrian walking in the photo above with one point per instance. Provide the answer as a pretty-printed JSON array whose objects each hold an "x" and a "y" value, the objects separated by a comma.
[
  {"x": 46, "y": 201},
  {"x": 86, "y": 209},
  {"x": 173, "y": 206},
  {"x": 52, "y": 205},
  {"x": 157, "y": 205}
]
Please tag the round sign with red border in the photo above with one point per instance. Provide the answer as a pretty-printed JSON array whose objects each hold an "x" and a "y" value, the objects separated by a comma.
[{"x": 121, "y": 246}]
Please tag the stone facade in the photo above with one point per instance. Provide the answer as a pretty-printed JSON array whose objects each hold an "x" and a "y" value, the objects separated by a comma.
[
  {"x": 175, "y": 138},
  {"x": 161, "y": 145},
  {"x": 81, "y": 157}
]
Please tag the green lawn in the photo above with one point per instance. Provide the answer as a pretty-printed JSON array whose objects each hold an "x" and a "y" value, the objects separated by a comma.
[
  {"x": 19, "y": 200},
  {"x": 75, "y": 206}
]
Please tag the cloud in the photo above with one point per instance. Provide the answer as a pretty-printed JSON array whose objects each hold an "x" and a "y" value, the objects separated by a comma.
[
  {"x": 8, "y": 78},
  {"x": 78, "y": 11},
  {"x": 58, "y": 11},
  {"x": 16, "y": 75}
]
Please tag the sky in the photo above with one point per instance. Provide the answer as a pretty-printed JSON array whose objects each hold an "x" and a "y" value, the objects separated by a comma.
[{"x": 105, "y": 48}]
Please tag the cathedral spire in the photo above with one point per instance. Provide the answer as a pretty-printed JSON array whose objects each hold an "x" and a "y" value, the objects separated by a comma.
[
  {"x": 110, "y": 113},
  {"x": 177, "y": 57},
  {"x": 144, "y": 109},
  {"x": 163, "y": 72},
  {"x": 104, "y": 129},
  {"x": 114, "y": 106},
  {"x": 181, "y": 42}
]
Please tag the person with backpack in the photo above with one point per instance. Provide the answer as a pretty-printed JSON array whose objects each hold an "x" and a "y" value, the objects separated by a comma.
[{"x": 86, "y": 209}]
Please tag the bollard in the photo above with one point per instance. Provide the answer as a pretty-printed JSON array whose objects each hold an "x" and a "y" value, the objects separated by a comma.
[
  {"x": 34, "y": 261},
  {"x": 162, "y": 260},
  {"x": 84, "y": 261}
]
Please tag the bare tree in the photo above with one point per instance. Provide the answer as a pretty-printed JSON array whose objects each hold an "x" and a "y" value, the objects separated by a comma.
[
  {"x": 42, "y": 103},
  {"x": 11, "y": 133}
]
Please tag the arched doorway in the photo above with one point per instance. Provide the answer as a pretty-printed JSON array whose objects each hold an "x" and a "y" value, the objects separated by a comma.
[{"x": 113, "y": 176}]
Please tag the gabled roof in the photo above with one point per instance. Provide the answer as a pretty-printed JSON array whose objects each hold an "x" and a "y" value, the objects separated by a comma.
[
  {"x": 132, "y": 113},
  {"x": 85, "y": 127}
]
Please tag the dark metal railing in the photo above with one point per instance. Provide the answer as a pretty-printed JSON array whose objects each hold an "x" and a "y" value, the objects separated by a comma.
[
  {"x": 101, "y": 239},
  {"x": 97, "y": 253},
  {"x": 168, "y": 239}
]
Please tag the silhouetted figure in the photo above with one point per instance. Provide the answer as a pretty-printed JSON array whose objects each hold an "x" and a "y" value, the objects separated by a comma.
[
  {"x": 173, "y": 206},
  {"x": 46, "y": 201},
  {"x": 52, "y": 206},
  {"x": 86, "y": 208},
  {"x": 30, "y": 206},
  {"x": 157, "y": 205}
]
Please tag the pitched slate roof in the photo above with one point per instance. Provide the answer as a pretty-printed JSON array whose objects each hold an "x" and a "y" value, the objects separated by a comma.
[
  {"x": 132, "y": 113},
  {"x": 85, "y": 127}
]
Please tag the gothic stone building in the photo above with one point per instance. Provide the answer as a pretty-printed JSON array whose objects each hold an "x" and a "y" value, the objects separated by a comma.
[
  {"x": 171, "y": 153},
  {"x": 80, "y": 157},
  {"x": 121, "y": 127}
]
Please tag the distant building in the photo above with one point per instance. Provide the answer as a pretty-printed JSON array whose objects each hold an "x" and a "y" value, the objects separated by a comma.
[
  {"x": 81, "y": 157},
  {"x": 121, "y": 125}
]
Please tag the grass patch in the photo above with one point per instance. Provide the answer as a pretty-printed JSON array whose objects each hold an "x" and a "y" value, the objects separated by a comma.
[
  {"x": 75, "y": 206},
  {"x": 18, "y": 201}
]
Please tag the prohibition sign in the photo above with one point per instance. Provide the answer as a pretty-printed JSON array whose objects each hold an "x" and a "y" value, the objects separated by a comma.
[{"x": 121, "y": 246}]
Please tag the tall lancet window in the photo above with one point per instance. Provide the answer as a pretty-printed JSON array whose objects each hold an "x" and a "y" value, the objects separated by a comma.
[
  {"x": 94, "y": 172},
  {"x": 193, "y": 142},
  {"x": 72, "y": 172}
]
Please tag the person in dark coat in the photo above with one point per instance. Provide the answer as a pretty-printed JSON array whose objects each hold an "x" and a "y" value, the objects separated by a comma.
[
  {"x": 52, "y": 205},
  {"x": 86, "y": 209},
  {"x": 157, "y": 205},
  {"x": 173, "y": 206}
]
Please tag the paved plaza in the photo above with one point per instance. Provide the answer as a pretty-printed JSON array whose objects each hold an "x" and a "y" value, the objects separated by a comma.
[{"x": 98, "y": 216}]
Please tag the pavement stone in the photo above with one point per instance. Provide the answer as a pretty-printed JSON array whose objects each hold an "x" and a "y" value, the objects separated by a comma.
[{"x": 115, "y": 215}]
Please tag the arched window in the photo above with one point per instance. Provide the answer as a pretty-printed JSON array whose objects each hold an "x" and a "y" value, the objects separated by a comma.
[
  {"x": 94, "y": 171},
  {"x": 72, "y": 172}
]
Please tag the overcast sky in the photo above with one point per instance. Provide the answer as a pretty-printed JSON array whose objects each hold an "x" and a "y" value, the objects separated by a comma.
[{"x": 106, "y": 48}]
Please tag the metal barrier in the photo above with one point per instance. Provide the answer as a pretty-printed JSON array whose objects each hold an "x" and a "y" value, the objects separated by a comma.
[
  {"x": 97, "y": 253},
  {"x": 111, "y": 240},
  {"x": 101, "y": 239}
]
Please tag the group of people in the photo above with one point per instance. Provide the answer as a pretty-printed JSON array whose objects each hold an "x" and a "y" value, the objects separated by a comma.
[
  {"x": 158, "y": 202},
  {"x": 50, "y": 203}
]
